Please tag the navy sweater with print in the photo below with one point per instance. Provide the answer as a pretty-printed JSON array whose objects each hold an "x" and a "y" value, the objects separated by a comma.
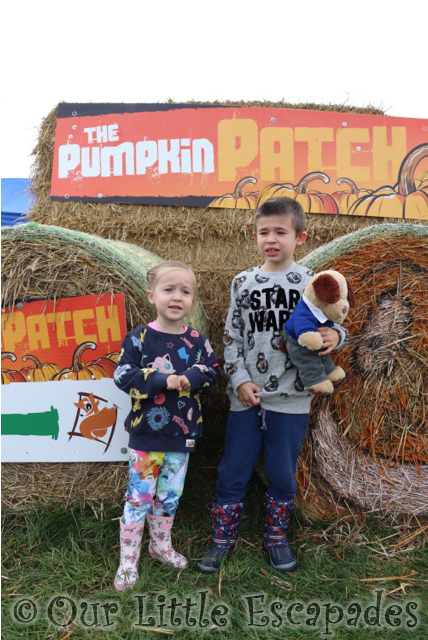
[{"x": 162, "y": 420}]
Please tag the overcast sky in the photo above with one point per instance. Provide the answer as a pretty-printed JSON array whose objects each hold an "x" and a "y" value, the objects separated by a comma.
[{"x": 358, "y": 53}]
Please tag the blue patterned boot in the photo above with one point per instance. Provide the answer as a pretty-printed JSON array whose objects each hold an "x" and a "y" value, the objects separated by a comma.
[
  {"x": 225, "y": 519},
  {"x": 277, "y": 518}
]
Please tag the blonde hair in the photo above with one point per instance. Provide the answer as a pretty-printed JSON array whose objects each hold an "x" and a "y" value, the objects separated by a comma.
[{"x": 160, "y": 269}]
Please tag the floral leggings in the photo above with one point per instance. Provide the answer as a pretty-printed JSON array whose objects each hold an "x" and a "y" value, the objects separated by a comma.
[{"x": 156, "y": 481}]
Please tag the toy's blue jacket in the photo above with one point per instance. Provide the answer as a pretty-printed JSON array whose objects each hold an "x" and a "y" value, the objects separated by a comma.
[
  {"x": 162, "y": 420},
  {"x": 302, "y": 320}
]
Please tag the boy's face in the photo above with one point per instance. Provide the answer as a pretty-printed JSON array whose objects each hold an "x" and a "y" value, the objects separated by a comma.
[{"x": 277, "y": 241}]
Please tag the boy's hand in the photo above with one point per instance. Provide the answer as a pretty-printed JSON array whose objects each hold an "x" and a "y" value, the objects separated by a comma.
[
  {"x": 246, "y": 392},
  {"x": 185, "y": 383},
  {"x": 330, "y": 340},
  {"x": 173, "y": 383}
]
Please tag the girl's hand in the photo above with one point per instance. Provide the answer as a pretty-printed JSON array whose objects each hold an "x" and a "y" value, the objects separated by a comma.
[
  {"x": 246, "y": 392},
  {"x": 185, "y": 383},
  {"x": 330, "y": 338},
  {"x": 173, "y": 383}
]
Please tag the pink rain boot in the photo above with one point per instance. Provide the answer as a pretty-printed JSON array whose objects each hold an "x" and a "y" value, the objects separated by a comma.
[
  {"x": 160, "y": 546},
  {"x": 130, "y": 546}
]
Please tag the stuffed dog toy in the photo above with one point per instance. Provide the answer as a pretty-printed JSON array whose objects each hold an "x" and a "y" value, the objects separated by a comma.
[{"x": 326, "y": 299}]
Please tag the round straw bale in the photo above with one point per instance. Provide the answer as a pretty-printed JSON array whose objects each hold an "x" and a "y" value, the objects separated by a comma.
[
  {"x": 47, "y": 262},
  {"x": 369, "y": 442}
]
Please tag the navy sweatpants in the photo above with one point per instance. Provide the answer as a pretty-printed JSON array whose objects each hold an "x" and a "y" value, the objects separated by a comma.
[{"x": 281, "y": 436}]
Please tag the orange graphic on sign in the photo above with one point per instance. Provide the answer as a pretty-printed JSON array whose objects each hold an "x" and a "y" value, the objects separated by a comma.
[{"x": 92, "y": 421}]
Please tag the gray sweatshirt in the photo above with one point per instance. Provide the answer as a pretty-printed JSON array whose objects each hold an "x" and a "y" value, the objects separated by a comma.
[{"x": 260, "y": 304}]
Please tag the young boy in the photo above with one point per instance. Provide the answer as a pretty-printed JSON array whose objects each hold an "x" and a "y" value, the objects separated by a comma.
[{"x": 269, "y": 404}]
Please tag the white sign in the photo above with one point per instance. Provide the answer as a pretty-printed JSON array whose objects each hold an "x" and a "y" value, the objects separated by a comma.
[{"x": 64, "y": 421}]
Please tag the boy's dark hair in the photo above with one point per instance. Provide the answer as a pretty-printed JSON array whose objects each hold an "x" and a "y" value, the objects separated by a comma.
[{"x": 283, "y": 207}]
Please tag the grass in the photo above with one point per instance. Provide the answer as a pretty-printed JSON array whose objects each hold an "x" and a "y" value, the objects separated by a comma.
[{"x": 74, "y": 552}]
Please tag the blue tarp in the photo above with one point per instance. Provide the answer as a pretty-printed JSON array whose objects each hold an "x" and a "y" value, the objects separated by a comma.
[{"x": 16, "y": 200}]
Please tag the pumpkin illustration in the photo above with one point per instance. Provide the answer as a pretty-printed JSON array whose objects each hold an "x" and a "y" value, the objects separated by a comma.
[
  {"x": 345, "y": 199},
  {"x": 10, "y": 375},
  {"x": 237, "y": 199},
  {"x": 406, "y": 200},
  {"x": 423, "y": 182},
  {"x": 112, "y": 356},
  {"x": 277, "y": 190},
  {"x": 312, "y": 201},
  {"x": 39, "y": 372},
  {"x": 93, "y": 370}
]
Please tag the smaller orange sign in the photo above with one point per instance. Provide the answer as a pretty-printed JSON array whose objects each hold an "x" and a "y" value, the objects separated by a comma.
[{"x": 69, "y": 338}]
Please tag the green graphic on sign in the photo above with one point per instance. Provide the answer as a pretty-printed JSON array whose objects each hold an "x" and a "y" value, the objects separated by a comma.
[{"x": 45, "y": 423}]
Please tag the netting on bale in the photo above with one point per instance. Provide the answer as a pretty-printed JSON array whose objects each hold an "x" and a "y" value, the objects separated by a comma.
[
  {"x": 368, "y": 448},
  {"x": 47, "y": 262}
]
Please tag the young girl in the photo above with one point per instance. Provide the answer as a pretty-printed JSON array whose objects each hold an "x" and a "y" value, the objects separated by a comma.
[{"x": 164, "y": 366}]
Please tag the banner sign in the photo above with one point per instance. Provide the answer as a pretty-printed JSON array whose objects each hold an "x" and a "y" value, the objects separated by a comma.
[
  {"x": 237, "y": 157},
  {"x": 59, "y": 402}
]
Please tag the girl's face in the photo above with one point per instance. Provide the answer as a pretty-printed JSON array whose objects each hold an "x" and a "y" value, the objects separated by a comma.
[{"x": 173, "y": 296}]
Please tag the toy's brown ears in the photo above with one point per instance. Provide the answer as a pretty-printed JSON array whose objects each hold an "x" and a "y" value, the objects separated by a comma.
[
  {"x": 351, "y": 294},
  {"x": 326, "y": 288}
]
